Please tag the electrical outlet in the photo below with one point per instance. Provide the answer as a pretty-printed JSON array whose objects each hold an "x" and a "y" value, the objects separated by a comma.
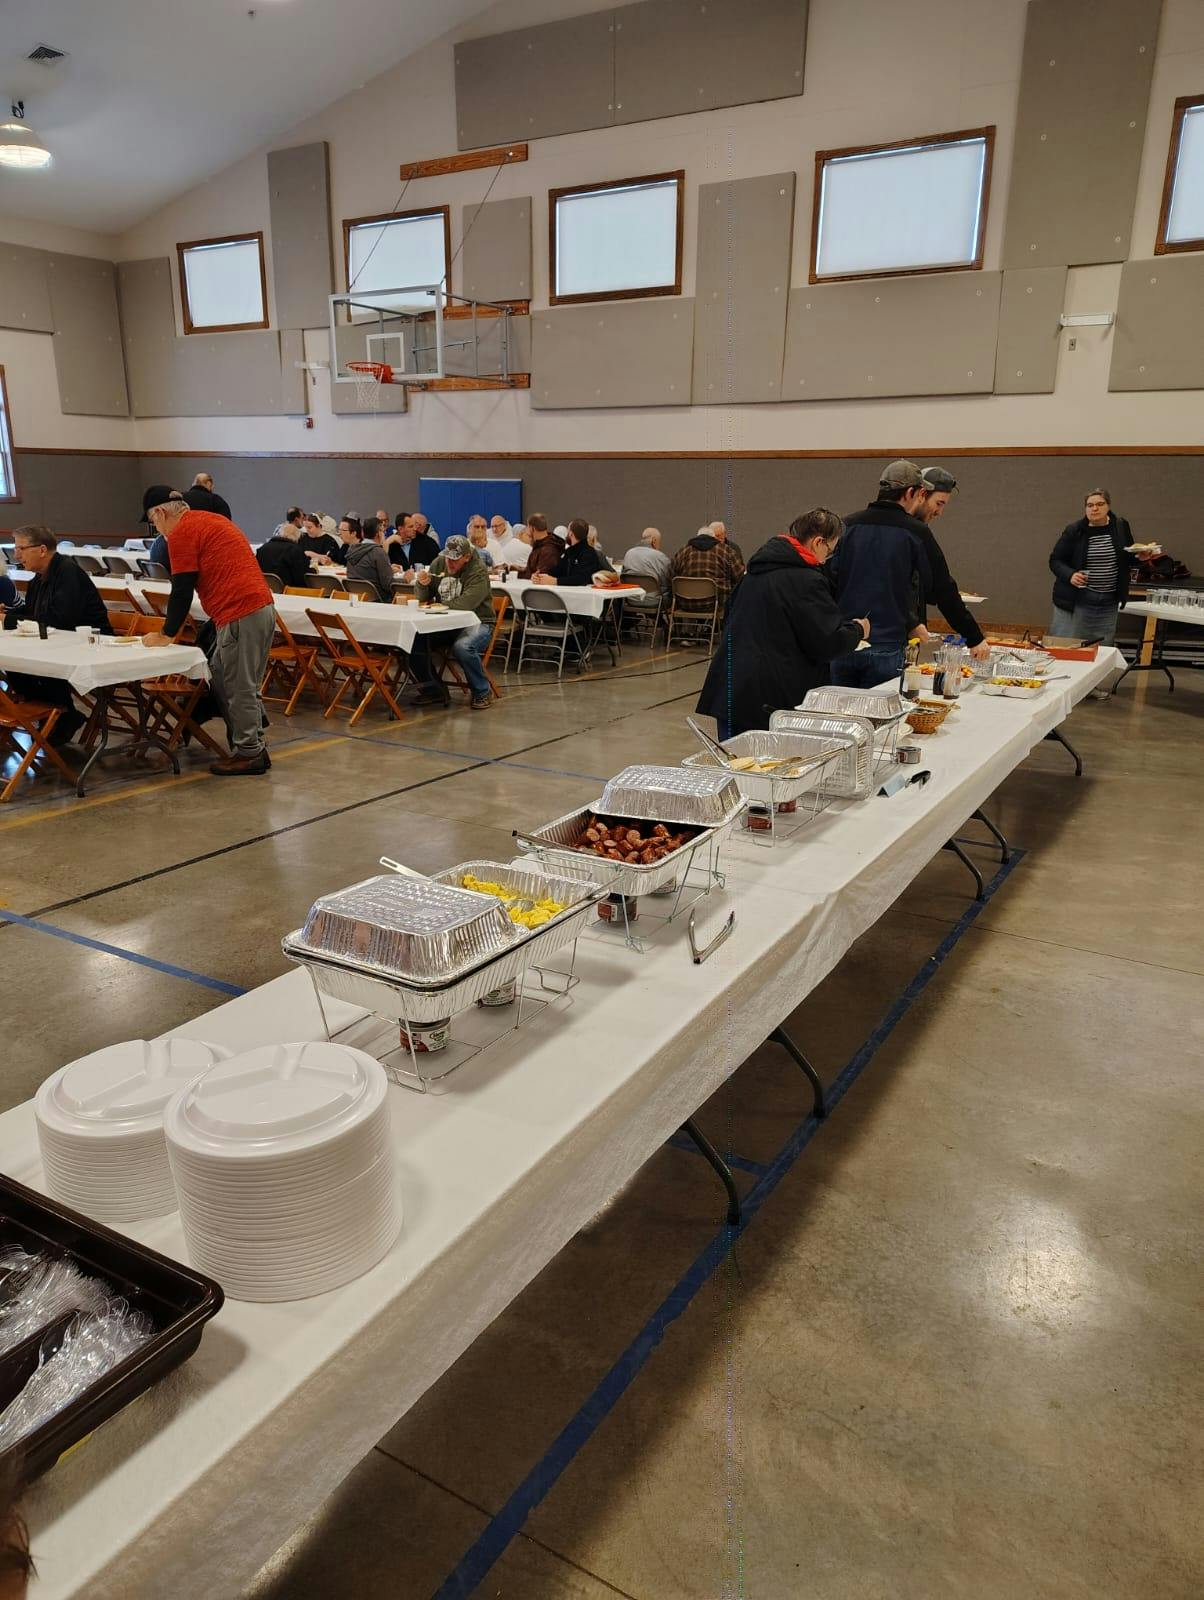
[{"x": 1072, "y": 343}]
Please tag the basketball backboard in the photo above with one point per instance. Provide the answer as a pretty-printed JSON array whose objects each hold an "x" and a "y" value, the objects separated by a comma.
[{"x": 401, "y": 328}]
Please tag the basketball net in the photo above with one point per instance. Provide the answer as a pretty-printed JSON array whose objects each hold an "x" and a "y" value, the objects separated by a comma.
[{"x": 369, "y": 375}]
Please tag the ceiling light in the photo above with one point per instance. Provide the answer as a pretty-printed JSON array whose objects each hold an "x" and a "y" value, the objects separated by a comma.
[{"x": 19, "y": 144}]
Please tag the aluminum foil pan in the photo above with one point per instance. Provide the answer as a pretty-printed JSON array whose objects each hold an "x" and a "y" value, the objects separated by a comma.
[
  {"x": 698, "y": 797},
  {"x": 882, "y": 709},
  {"x": 409, "y": 930},
  {"x": 557, "y": 839},
  {"x": 821, "y": 756},
  {"x": 576, "y": 894},
  {"x": 853, "y": 779},
  {"x": 399, "y": 1002}
]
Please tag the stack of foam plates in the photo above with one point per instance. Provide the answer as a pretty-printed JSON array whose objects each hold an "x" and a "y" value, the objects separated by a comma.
[
  {"x": 100, "y": 1126},
  {"x": 284, "y": 1169}
]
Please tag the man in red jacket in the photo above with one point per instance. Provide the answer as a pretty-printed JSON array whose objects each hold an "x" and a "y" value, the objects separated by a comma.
[{"x": 212, "y": 559}]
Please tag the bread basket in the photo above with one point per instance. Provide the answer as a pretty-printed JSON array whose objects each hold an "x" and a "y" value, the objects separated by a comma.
[{"x": 925, "y": 721}]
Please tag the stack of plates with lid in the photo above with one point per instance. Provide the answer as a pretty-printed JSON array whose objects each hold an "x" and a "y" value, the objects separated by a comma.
[
  {"x": 100, "y": 1126},
  {"x": 284, "y": 1169}
]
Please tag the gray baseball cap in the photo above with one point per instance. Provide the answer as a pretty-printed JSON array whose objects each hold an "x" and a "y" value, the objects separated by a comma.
[
  {"x": 902, "y": 475},
  {"x": 457, "y": 547},
  {"x": 938, "y": 480}
]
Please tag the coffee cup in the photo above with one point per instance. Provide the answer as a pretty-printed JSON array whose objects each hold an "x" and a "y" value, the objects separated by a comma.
[{"x": 27, "y": 629}]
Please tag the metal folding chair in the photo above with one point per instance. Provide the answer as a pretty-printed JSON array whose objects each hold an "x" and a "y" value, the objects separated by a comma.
[
  {"x": 274, "y": 582},
  {"x": 547, "y": 628},
  {"x": 118, "y": 567},
  {"x": 364, "y": 588},
  {"x": 652, "y": 605},
  {"x": 705, "y": 619},
  {"x": 154, "y": 569},
  {"x": 363, "y": 671},
  {"x": 89, "y": 564}
]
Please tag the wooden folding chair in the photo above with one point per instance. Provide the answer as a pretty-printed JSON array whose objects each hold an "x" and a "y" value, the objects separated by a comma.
[
  {"x": 171, "y": 701},
  {"x": 122, "y": 622},
  {"x": 292, "y": 665},
  {"x": 307, "y": 594},
  {"x": 500, "y": 605},
  {"x": 37, "y": 722},
  {"x": 371, "y": 672}
]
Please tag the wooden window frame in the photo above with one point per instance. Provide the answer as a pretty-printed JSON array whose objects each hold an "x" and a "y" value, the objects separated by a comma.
[
  {"x": 224, "y": 327},
  {"x": 7, "y": 447},
  {"x": 1163, "y": 247},
  {"x": 399, "y": 216},
  {"x": 554, "y": 198},
  {"x": 961, "y": 137}
]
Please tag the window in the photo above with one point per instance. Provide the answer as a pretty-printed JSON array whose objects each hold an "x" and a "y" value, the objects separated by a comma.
[
  {"x": 223, "y": 284},
  {"x": 614, "y": 241},
  {"x": 1181, "y": 222},
  {"x": 8, "y": 466},
  {"x": 887, "y": 209},
  {"x": 400, "y": 250}
]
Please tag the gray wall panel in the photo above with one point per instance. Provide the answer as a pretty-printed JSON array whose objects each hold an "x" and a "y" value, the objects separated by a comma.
[
  {"x": 987, "y": 545},
  {"x": 1026, "y": 360},
  {"x": 76, "y": 494},
  {"x": 1084, "y": 94},
  {"x": 496, "y": 255},
  {"x": 200, "y": 374},
  {"x": 294, "y": 380},
  {"x": 628, "y": 353},
  {"x": 24, "y": 292},
  {"x": 678, "y": 56},
  {"x": 302, "y": 266},
  {"x": 893, "y": 336},
  {"x": 88, "y": 357},
  {"x": 742, "y": 288},
  {"x": 1157, "y": 341},
  {"x": 533, "y": 82}
]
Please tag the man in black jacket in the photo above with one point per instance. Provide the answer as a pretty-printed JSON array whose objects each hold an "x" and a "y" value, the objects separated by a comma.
[
  {"x": 410, "y": 546},
  {"x": 282, "y": 554},
  {"x": 939, "y": 486},
  {"x": 61, "y": 595},
  {"x": 201, "y": 497},
  {"x": 782, "y": 631}
]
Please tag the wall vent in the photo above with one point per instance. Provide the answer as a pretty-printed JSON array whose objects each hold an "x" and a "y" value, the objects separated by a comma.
[{"x": 45, "y": 55}]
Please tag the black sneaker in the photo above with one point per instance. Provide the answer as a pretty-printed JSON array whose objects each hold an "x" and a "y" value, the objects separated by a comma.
[{"x": 481, "y": 702}]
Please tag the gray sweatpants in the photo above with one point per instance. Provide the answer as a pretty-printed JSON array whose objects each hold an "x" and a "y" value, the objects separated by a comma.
[{"x": 238, "y": 663}]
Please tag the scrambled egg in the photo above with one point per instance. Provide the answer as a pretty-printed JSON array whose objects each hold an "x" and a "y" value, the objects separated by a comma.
[{"x": 542, "y": 911}]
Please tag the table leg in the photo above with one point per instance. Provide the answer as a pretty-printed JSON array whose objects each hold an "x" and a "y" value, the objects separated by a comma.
[
  {"x": 780, "y": 1036},
  {"x": 707, "y": 1149},
  {"x": 1145, "y": 653},
  {"x": 103, "y": 699},
  {"x": 952, "y": 844},
  {"x": 1057, "y": 735},
  {"x": 1005, "y": 850}
]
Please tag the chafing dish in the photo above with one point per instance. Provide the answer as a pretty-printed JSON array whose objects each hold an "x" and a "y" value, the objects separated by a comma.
[
  {"x": 818, "y": 759},
  {"x": 705, "y": 797},
  {"x": 885, "y": 709},
  {"x": 853, "y": 777}
]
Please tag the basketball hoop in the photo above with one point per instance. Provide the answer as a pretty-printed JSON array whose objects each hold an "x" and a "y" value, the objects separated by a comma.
[{"x": 369, "y": 375}]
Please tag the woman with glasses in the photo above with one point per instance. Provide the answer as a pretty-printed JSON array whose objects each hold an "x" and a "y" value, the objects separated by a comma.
[{"x": 1091, "y": 567}]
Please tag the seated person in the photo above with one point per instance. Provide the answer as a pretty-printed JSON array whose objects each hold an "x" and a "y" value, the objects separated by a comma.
[
  {"x": 60, "y": 595},
  {"x": 382, "y": 516},
  {"x": 8, "y": 592},
  {"x": 458, "y": 578},
  {"x": 282, "y": 555},
  {"x": 580, "y": 560},
  {"x": 348, "y": 525},
  {"x": 546, "y": 549},
  {"x": 412, "y": 546},
  {"x": 366, "y": 556},
  {"x": 707, "y": 555},
  {"x": 648, "y": 560},
  {"x": 514, "y": 548},
  {"x": 315, "y": 541},
  {"x": 783, "y": 630},
  {"x": 478, "y": 538}
]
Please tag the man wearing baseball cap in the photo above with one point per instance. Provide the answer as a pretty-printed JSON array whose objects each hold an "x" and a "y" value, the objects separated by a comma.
[
  {"x": 939, "y": 486},
  {"x": 881, "y": 572},
  {"x": 459, "y": 578}
]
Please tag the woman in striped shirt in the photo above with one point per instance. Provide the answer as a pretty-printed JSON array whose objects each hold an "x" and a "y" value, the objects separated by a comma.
[{"x": 1091, "y": 567}]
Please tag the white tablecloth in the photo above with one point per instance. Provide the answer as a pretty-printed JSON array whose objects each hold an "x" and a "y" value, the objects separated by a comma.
[
  {"x": 370, "y": 622},
  {"x": 582, "y": 600},
  {"x": 96, "y": 666},
  {"x": 189, "y": 1491},
  {"x": 1191, "y": 616}
]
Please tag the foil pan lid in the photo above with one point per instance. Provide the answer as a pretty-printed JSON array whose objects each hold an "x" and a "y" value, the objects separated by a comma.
[{"x": 702, "y": 796}]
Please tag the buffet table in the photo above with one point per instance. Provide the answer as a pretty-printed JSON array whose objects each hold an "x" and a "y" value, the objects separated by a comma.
[
  {"x": 1149, "y": 656},
  {"x": 189, "y": 1491}
]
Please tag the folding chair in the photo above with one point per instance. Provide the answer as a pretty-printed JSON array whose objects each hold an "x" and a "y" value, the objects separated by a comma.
[
  {"x": 157, "y": 608},
  {"x": 327, "y": 585},
  {"x": 307, "y": 594},
  {"x": 652, "y": 605},
  {"x": 547, "y": 628},
  {"x": 118, "y": 567},
  {"x": 122, "y": 621},
  {"x": 154, "y": 569},
  {"x": 364, "y": 588},
  {"x": 93, "y": 567},
  {"x": 37, "y": 721},
  {"x": 171, "y": 701},
  {"x": 292, "y": 665},
  {"x": 705, "y": 619},
  {"x": 500, "y": 603},
  {"x": 371, "y": 671},
  {"x": 274, "y": 582}
]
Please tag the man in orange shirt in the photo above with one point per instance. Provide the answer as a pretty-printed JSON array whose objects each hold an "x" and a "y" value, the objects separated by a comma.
[{"x": 212, "y": 559}]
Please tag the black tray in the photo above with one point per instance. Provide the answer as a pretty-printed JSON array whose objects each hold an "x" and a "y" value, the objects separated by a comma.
[{"x": 176, "y": 1300}]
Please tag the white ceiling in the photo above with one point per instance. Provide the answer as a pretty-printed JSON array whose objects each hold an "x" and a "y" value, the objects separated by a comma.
[{"x": 157, "y": 95}]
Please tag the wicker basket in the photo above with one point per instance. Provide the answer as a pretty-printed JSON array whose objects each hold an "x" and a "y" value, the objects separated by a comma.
[
  {"x": 925, "y": 721},
  {"x": 933, "y": 708}
]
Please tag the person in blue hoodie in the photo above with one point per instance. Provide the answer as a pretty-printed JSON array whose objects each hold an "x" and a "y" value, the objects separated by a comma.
[{"x": 783, "y": 628}]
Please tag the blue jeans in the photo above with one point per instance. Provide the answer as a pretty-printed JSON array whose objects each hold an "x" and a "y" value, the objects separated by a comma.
[
  {"x": 864, "y": 669},
  {"x": 468, "y": 649},
  {"x": 1086, "y": 621}
]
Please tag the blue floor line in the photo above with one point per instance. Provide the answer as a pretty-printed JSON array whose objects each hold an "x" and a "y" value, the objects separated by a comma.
[
  {"x": 474, "y": 1565},
  {"x": 165, "y": 967},
  {"x": 682, "y": 1141}
]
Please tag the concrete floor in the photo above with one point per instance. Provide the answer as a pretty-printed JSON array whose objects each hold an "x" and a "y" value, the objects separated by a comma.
[{"x": 957, "y": 1351}]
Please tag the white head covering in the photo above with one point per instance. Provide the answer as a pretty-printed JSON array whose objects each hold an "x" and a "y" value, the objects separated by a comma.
[{"x": 561, "y": 531}]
